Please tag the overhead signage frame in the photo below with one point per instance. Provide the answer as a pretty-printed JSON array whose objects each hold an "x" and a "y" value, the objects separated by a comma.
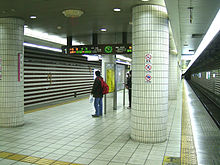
[{"x": 98, "y": 49}]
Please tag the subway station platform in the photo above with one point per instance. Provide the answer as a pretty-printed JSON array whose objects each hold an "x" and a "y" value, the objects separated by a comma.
[{"x": 67, "y": 134}]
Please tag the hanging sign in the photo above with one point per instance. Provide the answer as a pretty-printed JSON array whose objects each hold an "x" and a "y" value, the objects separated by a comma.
[{"x": 98, "y": 49}]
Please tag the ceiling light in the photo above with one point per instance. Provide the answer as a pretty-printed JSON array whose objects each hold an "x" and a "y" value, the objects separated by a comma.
[
  {"x": 33, "y": 17},
  {"x": 59, "y": 27},
  {"x": 48, "y": 37},
  {"x": 41, "y": 47},
  {"x": 103, "y": 29},
  {"x": 123, "y": 58},
  {"x": 117, "y": 9},
  {"x": 145, "y": 0},
  {"x": 25, "y": 26},
  {"x": 72, "y": 13}
]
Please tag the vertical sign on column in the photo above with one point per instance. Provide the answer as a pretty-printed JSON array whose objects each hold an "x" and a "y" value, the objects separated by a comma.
[
  {"x": 20, "y": 67},
  {"x": 0, "y": 68},
  {"x": 148, "y": 67}
]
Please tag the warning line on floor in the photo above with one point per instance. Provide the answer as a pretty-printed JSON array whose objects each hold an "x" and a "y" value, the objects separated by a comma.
[
  {"x": 32, "y": 159},
  {"x": 188, "y": 151}
]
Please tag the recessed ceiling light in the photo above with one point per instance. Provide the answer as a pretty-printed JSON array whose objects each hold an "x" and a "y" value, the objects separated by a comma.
[
  {"x": 33, "y": 17},
  {"x": 59, "y": 27},
  {"x": 103, "y": 29},
  {"x": 145, "y": 0},
  {"x": 117, "y": 9}
]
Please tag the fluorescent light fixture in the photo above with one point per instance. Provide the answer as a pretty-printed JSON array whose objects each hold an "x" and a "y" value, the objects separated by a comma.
[
  {"x": 44, "y": 36},
  {"x": 123, "y": 58},
  {"x": 145, "y": 0},
  {"x": 103, "y": 29},
  {"x": 210, "y": 34},
  {"x": 91, "y": 57},
  {"x": 33, "y": 17},
  {"x": 117, "y": 9},
  {"x": 25, "y": 26},
  {"x": 121, "y": 62},
  {"x": 42, "y": 47},
  {"x": 48, "y": 37}
]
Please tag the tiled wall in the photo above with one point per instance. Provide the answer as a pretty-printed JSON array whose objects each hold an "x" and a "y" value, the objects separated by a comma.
[
  {"x": 173, "y": 76},
  {"x": 50, "y": 77},
  {"x": 149, "y": 98},
  {"x": 11, "y": 90}
]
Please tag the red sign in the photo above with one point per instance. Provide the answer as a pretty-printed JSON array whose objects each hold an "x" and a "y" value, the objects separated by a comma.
[
  {"x": 148, "y": 77},
  {"x": 148, "y": 67},
  {"x": 148, "y": 57}
]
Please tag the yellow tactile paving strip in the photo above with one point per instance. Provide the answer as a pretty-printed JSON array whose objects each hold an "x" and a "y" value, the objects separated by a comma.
[
  {"x": 33, "y": 160},
  {"x": 188, "y": 151}
]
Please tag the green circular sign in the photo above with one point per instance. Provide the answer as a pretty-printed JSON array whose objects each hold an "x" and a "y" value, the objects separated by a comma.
[{"x": 108, "y": 49}]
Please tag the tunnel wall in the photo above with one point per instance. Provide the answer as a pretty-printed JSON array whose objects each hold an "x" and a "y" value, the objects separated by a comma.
[
  {"x": 51, "y": 77},
  {"x": 209, "y": 83}
]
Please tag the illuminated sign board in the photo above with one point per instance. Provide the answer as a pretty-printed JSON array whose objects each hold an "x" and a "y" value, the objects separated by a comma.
[{"x": 98, "y": 49}]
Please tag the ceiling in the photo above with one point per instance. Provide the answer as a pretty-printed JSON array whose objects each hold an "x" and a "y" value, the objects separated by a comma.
[{"x": 99, "y": 14}]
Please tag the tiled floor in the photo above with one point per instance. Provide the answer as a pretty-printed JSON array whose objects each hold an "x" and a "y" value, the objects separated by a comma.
[{"x": 68, "y": 133}]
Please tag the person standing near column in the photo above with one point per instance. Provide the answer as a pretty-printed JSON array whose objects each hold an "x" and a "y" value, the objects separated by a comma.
[
  {"x": 128, "y": 86},
  {"x": 97, "y": 94}
]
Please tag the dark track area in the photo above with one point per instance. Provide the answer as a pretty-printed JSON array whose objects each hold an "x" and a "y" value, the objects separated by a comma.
[{"x": 211, "y": 106}]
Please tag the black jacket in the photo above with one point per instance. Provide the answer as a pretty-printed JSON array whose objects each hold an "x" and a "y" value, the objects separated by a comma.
[
  {"x": 97, "y": 88},
  {"x": 129, "y": 84}
]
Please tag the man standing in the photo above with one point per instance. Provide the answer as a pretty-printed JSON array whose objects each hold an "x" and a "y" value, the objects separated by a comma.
[
  {"x": 97, "y": 94},
  {"x": 128, "y": 86}
]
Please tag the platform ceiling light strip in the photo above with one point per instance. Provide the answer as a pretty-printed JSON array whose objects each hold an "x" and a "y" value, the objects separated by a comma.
[
  {"x": 42, "y": 47},
  {"x": 211, "y": 33},
  {"x": 121, "y": 62},
  {"x": 48, "y": 37},
  {"x": 117, "y": 9},
  {"x": 123, "y": 58}
]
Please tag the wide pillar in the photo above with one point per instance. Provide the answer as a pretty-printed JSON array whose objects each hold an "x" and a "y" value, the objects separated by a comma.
[
  {"x": 173, "y": 83},
  {"x": 11, "y": 83},
  {"x": 150, "y": 41}
]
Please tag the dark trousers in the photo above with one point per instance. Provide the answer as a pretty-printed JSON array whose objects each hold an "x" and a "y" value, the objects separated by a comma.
[{"x": 129, "y": 97}]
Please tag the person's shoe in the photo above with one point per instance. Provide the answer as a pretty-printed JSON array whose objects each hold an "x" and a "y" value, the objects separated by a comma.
[
  {"x": 128, "y": 107},
  {"x": 95, "y": 116}
]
